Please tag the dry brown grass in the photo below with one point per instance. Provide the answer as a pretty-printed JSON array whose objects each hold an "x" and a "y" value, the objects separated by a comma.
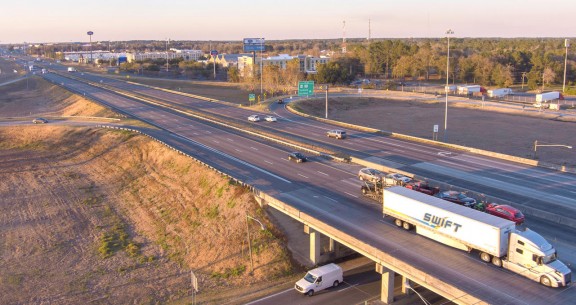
[
  {"x": 98, "y": 216},
  {"x": 88, "y": 214},
  {"x": 37, "y": 97}
]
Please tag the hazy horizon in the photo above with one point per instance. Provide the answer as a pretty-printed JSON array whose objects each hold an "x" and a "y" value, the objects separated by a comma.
[{"x": 62, "y": 21}]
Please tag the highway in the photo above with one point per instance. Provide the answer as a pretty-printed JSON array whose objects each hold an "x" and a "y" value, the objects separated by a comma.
[{"x": 330, "y": 191}]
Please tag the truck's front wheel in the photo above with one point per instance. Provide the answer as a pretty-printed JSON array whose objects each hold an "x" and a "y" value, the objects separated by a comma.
[
  {"x": 497, "y": 261},
  {"x": 544, "y": 280},
  {"x": 310, "y": 293}
]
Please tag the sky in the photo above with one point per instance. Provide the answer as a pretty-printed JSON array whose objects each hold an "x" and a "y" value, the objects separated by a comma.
[{"x": 41, "y": 21}]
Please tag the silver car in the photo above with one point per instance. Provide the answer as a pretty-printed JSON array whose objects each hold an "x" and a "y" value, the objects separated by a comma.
[
  {"x": 399, "y": 178},
  {"x": 370, "y": 174},
  {"x": 254, "y": 118}
]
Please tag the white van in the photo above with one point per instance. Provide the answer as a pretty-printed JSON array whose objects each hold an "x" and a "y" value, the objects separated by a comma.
[{"x": 319, "y": 279}]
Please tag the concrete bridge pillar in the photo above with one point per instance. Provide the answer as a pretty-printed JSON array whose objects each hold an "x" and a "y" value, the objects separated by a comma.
[
  {"x": 387, "y": 289},
  {"x": 315, "y": 245},
  {"x": 405, "y": 285}
]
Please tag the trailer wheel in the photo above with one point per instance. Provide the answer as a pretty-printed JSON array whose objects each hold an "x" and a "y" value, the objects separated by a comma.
[
  {"x": 544, "y": 280},
  {"x": 336, "y": 283},
  {"x": 406, "y": 226},
  {"x": 398, "y": 222},
  {"x": 310, "y": 293},
  {"x": 485, "y": 257},
  {"x": 497, "y": 261}
]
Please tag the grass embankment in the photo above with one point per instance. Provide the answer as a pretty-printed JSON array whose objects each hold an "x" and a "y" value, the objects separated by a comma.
[{"x": 97, "y": 214}]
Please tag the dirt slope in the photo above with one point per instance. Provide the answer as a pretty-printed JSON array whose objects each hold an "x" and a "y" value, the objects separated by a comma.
[
  {"x": 109, "y": 217},
  {"x": 37, "y": 97}
]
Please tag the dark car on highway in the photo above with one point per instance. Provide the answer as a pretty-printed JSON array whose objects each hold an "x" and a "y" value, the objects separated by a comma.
[
  {"x": 297, "y": 157},
  {"x": 457, "y": 197},
  {"x": 40, "y": 121}
]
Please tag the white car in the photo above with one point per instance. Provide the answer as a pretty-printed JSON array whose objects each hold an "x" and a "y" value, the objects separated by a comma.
[
  {"x": 254, "y": 118},
  {"x": 270, "y": 118},
  {"x": 399, "y": 178}
]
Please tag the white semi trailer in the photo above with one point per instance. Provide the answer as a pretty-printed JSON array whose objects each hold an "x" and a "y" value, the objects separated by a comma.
[
  {"x": 500, "y": 92},
  {"x": 548, "y": 96},
  {"x": 496, "y": 239}
]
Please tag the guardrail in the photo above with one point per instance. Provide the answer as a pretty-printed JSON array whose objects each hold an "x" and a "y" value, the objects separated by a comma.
[
  {"x": 560, "y": 219},
  {"x": 375, "y": 254}
]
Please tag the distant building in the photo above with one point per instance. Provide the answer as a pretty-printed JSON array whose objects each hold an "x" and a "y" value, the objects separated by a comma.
[
  {"x": 187, "y": 55},
  {"x": 98, "y": 56},
  {"x": 308, "y": 64}
]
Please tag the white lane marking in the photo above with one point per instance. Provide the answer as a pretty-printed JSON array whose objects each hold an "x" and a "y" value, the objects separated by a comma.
[
  {"x": 238, "y": 150},
  {"x": 323, "y": 173},
  {"x": 254, "y": 148},
  {"x": 270, "y": 296},
  {"x": 195, "y": 133},
  {"x": 268, "y": 162},
  {"x": 302, "y": 176},
  {"x": 208, "y": 131},
  {"x": 231, "y": 157},
  {"x": 351, "y": 195},
  {"x": 215, "y": 141},
  {"x": 229, "y": 139},
  {"x": 562, "y": 197},
  {"x": 330, "y": 198},
  {"x": 349, "y": 286}
]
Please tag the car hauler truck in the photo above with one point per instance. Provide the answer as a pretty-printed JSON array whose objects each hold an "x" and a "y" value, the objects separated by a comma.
[{"x": 496, "y": 239}]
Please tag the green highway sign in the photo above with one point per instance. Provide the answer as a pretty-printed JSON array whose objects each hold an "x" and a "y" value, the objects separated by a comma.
[
  {"x": 251, "y": 97},
  {"x": 305, "y": 88}
]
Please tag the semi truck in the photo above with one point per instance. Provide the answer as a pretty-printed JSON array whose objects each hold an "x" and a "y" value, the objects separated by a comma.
[
  {"x": 497, "y": 240},
  {"x": 500, "y": 92},
  {"x": 548, "y": 96},
  {"x": 470, "y": 89}
]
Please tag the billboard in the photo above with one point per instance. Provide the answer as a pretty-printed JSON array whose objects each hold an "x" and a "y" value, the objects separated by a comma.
[{"x": 254, "y": 44}]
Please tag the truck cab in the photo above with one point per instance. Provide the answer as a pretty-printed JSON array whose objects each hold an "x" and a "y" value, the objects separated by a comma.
[{"x": 530, "y": 254}]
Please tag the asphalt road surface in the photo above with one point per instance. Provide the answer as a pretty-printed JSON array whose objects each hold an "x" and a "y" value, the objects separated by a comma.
[{"x": 330, "y": 191}]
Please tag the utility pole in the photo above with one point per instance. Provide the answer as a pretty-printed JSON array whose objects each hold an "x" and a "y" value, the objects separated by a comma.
[
  {"x": 369, "y": 30},
  {"x": 344, "y": 37},
  {"x": 566, "y": 44},
  {"x": 167, "y": 64},
  {"x": 448, "y": 33},
  {"x": 523, "y": 77}
]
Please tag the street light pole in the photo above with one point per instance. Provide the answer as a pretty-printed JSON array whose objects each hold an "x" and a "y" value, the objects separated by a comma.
[
  {"x": 167, "y": 64},
  {"x": 566, "y": 44},
  {"x": 250, "y": 241},
  {"x": 448, "y": 33},
  {"x": 556, "y": 145},
  {"x": 261, "y": 67}
]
